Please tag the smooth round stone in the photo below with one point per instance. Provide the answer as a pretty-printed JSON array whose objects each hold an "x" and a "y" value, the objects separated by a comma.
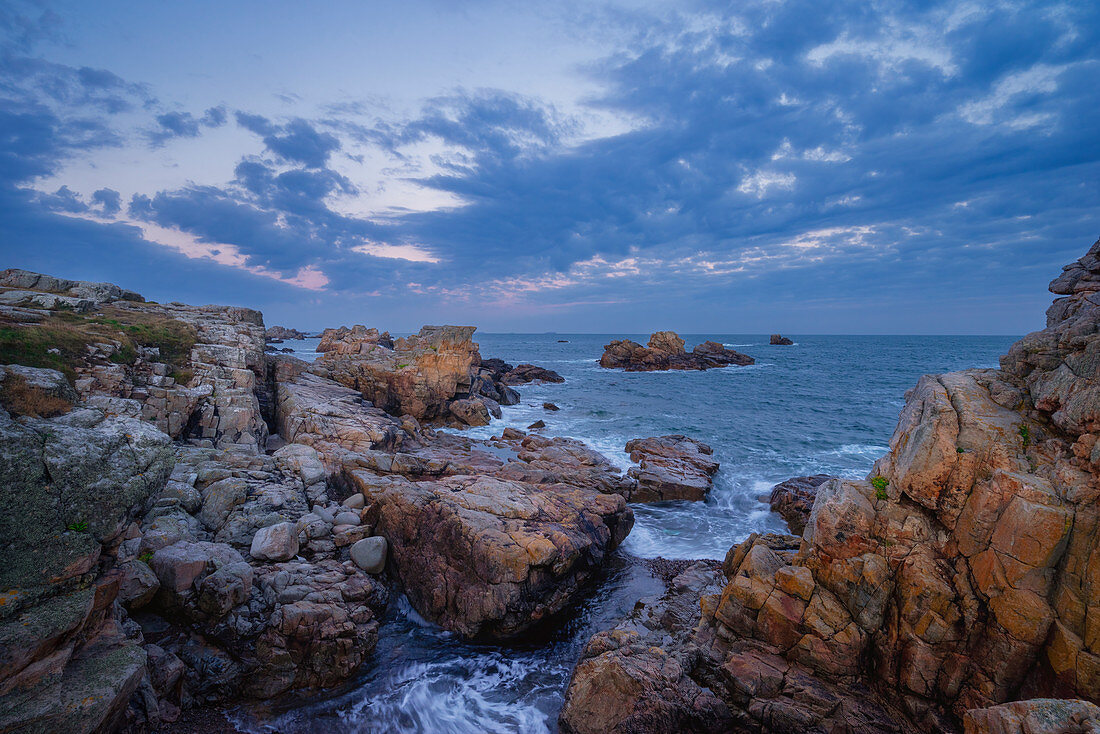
[
  {"x": 369, "y": 554},
  {"x": 346, "y": 518},
  {"x": 355, "y": 502}
]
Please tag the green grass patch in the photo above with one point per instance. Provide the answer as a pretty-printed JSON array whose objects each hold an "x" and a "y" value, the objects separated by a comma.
[
  {"x": 880, "y": 484},
  {"x": 61, "y": 340}
]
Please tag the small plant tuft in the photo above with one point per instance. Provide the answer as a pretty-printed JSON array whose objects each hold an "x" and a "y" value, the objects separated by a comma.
[
  {"x": 78, "y": 527},
  {"x": 1025, "y": 435},
  {"x": 880, "y": 483},
  {"x": 145, "y": 557},
  {"x": 960, "y": 450}
]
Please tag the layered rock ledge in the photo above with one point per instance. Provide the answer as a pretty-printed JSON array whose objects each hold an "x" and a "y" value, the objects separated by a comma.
[{"x": 665, "y": 351}]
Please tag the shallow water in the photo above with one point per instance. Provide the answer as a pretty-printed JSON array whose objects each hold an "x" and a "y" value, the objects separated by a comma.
[{"x": 828, "y": 404}]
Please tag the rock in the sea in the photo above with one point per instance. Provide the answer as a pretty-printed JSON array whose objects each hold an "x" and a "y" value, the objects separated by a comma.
[
  {"x": 369, "y": 554},
  {"x": 487, "y": 557},
  {"x": 780, "y": 341},
  {"x": 537, "y": 425},
  {"x": 471, "y": 411},
  {"x": 794, "y": 498},
  {"x": 550, "y": 406},
  {"x": 279, "y": 333},
  {"x": 671, "y": 467},
  {"x": 666, "y": 352},
  {"x": 522, "y": 374}
]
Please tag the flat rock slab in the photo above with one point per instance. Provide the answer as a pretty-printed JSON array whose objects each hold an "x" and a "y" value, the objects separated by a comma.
[{"x": 487, "y": 557}]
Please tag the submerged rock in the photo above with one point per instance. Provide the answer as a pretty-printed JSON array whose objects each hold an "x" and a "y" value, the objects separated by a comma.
[{"x": 666, "y": 352}]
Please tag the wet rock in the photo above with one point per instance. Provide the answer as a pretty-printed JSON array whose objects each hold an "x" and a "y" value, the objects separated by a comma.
[
  {"x": 550, "y": 406},
  {"x": 471, "y": 411},
  {"x": 536, "y": 425},
  {"x": 522, "y": 374},
  {"x": 794, "y": 498},
  {"x": 671, "y": 467},
  {"x": 780, "y": 341}
]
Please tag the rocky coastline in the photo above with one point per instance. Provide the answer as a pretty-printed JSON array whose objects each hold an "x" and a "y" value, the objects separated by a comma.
[
  {"x": 955, "y": 588},
  {"x": 192, "y": 522}
]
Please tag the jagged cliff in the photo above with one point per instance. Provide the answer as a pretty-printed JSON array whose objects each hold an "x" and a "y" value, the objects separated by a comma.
[{"x": 964, "y": 572}]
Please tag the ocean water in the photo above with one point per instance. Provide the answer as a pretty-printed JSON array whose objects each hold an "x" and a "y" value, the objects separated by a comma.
[{"x": 828, "y": 404}]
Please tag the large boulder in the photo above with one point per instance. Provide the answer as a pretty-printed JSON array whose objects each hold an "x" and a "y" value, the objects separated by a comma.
[
  {"x": 487, "y": 557},
  {"x": 671, "y": 467}
]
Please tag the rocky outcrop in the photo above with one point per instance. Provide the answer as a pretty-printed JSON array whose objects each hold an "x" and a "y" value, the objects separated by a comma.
[
  {"x": 488, "y": 557},
  {"x": 666, "y": 352},
  {"x": 356, "y": 340},
  {"x": 958, "y": 576},
  {"x": 71, "y": 291},
  {"x": 282, "y": 333},
  {"x": 671, "y": 468},
  {"x": 522, "y": 374},
  {"x": 778, "y": 340},
  {"x": 72, "y": 484},
  {"x": 635, "y": 677},
  {"x": 197, "y": 372},
  {"x": 420, "y": 375},
  {"x": 331, "y": 418},
  {"x": 794, "y": 498},
  {"x": 435, "y": 376}
]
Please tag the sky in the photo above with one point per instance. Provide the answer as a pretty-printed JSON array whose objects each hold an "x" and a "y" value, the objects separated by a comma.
[{"x": 607, "y": 166}]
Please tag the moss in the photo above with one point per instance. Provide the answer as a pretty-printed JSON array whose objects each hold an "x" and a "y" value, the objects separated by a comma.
[{"x": 880, "y": 484}]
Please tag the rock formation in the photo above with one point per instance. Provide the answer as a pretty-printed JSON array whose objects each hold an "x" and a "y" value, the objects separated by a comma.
[
  {"x": 671, "y": 468},
  {"x": 780, "y": 341},
  {"x": 666, "y": 352},
  {"x": 281, "y": 333},
  {"x": 166, "y": 548},
  {"x": 488, "y": 557},
  {"x": 436, "y": 376},
  {"x": 959, "y": 576}
]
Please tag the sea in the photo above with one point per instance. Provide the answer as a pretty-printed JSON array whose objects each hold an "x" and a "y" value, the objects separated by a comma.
[{"x": 826, "y": 405}]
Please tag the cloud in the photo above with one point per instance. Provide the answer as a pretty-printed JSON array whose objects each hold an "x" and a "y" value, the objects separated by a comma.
[
  {"x": 296, "y": 142},
  {"x": 769, "y": 153},
  {"x": 108, "y": 200}
]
